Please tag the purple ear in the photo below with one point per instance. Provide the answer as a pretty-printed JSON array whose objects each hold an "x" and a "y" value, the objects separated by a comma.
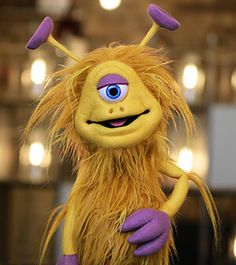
[
  {"x": 41, "y": 34},
  {"x": 162, "y": 18}
]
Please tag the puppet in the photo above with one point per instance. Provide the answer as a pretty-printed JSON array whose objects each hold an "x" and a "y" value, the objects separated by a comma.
[{"x": 111, "y": 111}]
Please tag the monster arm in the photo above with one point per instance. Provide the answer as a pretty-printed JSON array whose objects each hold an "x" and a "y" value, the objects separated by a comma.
[
  {"x": 69, "y": 251},
  {"x": 68, "y": 245},
  {"x": 179, "y": 194},
  {"x": 151, "y": 226}
]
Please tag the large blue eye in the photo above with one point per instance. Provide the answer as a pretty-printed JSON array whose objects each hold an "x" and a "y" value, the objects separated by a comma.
[{"x": 114, "y": 92}]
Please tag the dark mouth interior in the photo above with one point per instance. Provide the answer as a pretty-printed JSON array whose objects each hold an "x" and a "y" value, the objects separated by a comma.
[{"x": 129, "y": 120}]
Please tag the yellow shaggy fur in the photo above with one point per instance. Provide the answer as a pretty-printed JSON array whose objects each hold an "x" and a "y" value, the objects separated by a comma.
[{"x": 113, "y": 183}]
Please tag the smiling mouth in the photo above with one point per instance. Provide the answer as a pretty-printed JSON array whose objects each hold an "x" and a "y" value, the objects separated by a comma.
[{"x": 121, "y": 122}]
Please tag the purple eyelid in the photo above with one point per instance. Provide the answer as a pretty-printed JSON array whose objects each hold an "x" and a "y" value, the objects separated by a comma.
[{"x": 111, "y": 79}]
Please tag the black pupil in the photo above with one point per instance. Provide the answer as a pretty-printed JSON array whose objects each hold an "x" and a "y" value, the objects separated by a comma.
[{"x": 113, "y": 91}]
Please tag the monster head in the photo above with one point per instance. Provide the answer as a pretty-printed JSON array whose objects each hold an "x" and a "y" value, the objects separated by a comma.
[{"x": 116, "y": 96}]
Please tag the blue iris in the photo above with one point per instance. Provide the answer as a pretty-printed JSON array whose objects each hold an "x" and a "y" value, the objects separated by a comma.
[{"x": 113, "y": 91}]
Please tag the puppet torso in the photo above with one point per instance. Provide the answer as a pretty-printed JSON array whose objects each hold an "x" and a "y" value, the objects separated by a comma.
[{"x": 102, "y": 203}]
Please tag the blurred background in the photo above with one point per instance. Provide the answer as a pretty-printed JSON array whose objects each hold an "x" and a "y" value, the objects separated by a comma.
[{"x": 32, "y": 181}]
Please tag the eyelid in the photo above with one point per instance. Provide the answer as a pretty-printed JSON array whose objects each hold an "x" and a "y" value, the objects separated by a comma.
[
  {"x": 111, "y": 79},
  {"x": 114, "y": 83}
]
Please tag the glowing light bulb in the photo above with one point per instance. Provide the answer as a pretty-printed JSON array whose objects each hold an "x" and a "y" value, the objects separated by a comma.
[
  {"x": 36, "y": 154},
  {"x": 110, "y": 4},
  {"x": 190, "y": 76},
  {"x": 234, "y": 247},
  {"x": 38, "y": 71},
  {"x": 233, "y": 80},
  {"x": 185, "y": 159}
]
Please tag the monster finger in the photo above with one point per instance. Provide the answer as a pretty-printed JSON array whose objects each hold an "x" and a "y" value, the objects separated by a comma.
[
  {"x": 148, "y": 232},
  {"x": 137, "y": 219},
  {"x": 151, "y": 247}
]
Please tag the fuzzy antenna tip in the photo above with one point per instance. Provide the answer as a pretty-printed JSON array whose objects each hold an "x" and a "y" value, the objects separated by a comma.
[
  {"x": 162, "y": 18},
  {"x": 41, "y": 34}
]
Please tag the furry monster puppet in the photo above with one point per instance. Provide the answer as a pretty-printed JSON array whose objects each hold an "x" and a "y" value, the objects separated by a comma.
[{"x": 111, "y": 112}]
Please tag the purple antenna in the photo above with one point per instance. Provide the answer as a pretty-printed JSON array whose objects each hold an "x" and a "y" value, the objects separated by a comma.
[
  {"x": 41, "y": 34},
  {"x": 162, "y": 18}
]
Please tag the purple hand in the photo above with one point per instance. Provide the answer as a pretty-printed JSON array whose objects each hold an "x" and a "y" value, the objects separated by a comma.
[
  {"x": 162, "y": 18},
  {"x": 41, "y": 34},
  {"x": 152, "y": 227},
  {"x": 68, "y": 260}
]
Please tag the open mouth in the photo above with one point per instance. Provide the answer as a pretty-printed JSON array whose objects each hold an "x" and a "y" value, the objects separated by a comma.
[{"x": 116, "y": 123}]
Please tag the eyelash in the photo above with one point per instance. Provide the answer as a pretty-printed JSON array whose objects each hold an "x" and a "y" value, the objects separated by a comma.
[{"x": 114, "y": 92}]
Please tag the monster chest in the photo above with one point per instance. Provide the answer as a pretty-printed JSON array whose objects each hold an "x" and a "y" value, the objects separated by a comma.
[{"x": 99, "y": 215}]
